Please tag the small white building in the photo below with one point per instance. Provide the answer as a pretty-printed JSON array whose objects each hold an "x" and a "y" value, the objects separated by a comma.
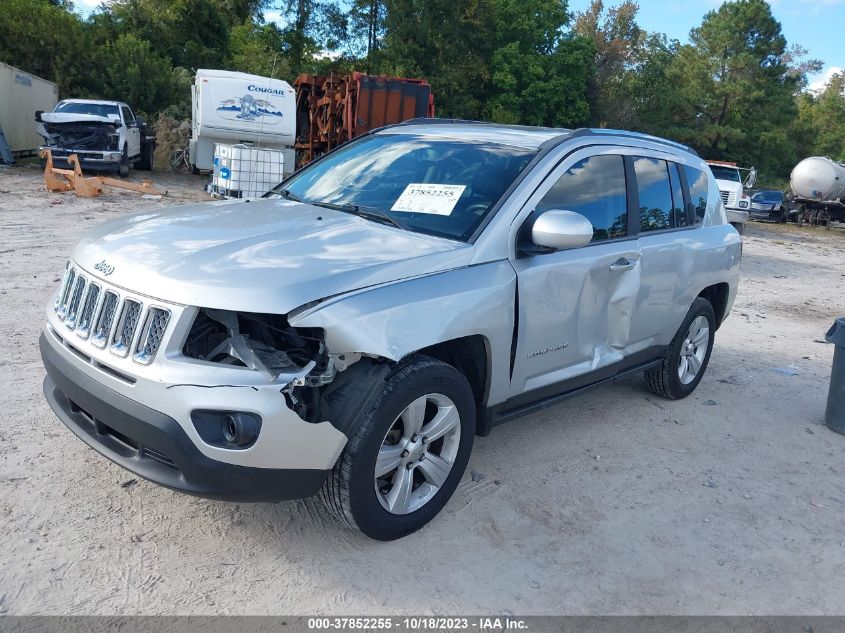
[{"x": 21, "y": 94}]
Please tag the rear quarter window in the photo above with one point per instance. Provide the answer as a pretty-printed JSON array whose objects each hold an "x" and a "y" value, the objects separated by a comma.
[{"x": 697, "y": 183}]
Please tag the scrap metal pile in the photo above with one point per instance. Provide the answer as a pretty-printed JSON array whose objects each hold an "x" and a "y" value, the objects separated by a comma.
[{"x": 331, "y": 110}]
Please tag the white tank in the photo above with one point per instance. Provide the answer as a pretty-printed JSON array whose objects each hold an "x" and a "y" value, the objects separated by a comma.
[{"x": 818, "y": 178}]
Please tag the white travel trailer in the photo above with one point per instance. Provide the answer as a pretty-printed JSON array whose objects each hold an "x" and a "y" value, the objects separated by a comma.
[{"x": 232, "y": 107}]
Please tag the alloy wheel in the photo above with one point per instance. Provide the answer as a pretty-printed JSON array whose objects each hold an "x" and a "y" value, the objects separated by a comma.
[
  {"x": 693, "y": 350},
  {"x": 417, "y": 453}
]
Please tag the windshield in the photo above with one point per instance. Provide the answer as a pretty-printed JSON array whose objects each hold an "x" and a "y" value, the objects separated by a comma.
[
  {"x": 767, "y": 196},
  {"x": 97, "y": 109},
  {"x": 439, "y": 186},
  {"x": 725, "y": 173}
]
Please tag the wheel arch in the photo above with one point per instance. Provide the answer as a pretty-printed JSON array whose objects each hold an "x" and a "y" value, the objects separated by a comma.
[
  {"x": 470, "y": 355},
  {"x": 717, "y": 295}
]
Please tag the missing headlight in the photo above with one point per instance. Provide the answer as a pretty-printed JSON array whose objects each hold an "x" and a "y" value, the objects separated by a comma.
[{"x": 264, "y": 342}]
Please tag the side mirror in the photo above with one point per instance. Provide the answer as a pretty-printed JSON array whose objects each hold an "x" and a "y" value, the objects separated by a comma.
[
  {"x": 752, "y": 178},
  {"x": 561, "y": 229},
  {"x": 140, "y": 122}
]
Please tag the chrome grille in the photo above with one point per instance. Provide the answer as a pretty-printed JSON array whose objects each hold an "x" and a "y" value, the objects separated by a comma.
[
  {"x": 129, "y": 317},
  {"x": 105, "y": 320},
  {"x": 725, "y": 196},
  {"x": 151, "y": 335},
  {"x": 75, "y": 300},
  {"x": 64, "y": 293},
  {"x": 83, "y": 323},
  {"x": 110, "y": 318}
]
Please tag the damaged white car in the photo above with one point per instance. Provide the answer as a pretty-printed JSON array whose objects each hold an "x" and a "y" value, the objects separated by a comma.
[{"x": 355, "y": 329}]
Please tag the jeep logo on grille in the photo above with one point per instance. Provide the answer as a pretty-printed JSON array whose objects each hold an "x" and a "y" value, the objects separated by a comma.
[{"x": 104, "y": 268}]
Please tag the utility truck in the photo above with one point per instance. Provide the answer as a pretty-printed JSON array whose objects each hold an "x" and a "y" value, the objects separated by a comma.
[{"x": 732, "y": 188}]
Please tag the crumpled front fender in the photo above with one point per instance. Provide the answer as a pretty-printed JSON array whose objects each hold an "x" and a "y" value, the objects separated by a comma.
[{"x": 395, "y": 320}]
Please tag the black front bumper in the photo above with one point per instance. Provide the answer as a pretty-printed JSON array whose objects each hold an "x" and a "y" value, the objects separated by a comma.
[
  {"x": 154, "y": 446},
  {"x": 88, "y": 162}
]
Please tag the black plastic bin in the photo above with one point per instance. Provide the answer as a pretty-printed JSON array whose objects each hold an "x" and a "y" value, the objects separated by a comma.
[{"x": 834, "y": 416}]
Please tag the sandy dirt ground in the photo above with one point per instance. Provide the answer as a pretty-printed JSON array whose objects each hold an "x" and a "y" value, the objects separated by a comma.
[{"x": 729, "y": 502}]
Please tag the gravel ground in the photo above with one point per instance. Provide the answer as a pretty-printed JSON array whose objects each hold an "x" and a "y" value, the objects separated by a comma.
[{"x": 729, "y": 502}]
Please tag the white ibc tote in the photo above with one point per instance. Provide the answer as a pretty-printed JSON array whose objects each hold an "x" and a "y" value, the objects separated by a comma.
[{"x": 242, "y": 171}]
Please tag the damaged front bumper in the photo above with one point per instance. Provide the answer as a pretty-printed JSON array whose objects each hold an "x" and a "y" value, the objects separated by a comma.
[
  {"x": 88, "y": 159},
  {"x": 144, "y": 419},
  {"x": 737, "y": 216}
]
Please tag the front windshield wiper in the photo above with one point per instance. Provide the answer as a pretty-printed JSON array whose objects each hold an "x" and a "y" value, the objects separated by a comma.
[
  {"x": 370, "y": 213},
  {"x": 285, "y": 193}
]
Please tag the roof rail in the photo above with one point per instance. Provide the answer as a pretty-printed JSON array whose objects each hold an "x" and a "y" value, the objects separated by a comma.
[
  {"x": 435, "y": 121},
  {"x": 587, "y": 131},
  {"x": 511, "y": 126},
  {"x": 569, "y": 134}
]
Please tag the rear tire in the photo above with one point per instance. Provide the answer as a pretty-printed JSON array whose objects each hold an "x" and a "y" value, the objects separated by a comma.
[
  {"x": 146, "y": 161},
  {"x": 670, "y": 379},
  {"x": 424, "y": 472}
]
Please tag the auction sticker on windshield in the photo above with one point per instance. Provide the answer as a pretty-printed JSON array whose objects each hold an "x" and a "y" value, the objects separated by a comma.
[{"x": 428, "y": 198}]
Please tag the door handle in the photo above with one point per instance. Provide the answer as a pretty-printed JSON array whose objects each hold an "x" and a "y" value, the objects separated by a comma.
[{"x": 622, "y": 264}]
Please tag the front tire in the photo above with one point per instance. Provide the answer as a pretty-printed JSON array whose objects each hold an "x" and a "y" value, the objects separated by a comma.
[
  {"x": 408, "y": 454},
  {"x": 687, "y": 356},
  {"x": 123, "y": 169}
]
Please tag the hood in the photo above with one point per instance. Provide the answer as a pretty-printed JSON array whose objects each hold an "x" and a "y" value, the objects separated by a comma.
[
  {"x": 264, "y": 255},
  {"x": 57, "y": 118},
  {"x": 730, "y": 185}
]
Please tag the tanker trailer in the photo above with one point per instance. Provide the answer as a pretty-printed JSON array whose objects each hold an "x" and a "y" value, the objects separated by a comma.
[{"x": 818, "y": 186}]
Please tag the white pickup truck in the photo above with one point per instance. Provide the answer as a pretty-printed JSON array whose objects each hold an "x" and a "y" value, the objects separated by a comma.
[{"x": 105, "y": 135}]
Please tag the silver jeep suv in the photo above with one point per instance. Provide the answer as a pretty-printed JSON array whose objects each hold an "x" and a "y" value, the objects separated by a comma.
[{"x": 352, "y": 331}]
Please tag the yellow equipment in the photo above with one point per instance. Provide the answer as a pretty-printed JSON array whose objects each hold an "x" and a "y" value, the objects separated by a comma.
[{"x": 58, "y": 180}]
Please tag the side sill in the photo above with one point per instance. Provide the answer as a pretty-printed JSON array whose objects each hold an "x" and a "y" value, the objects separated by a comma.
[{"x": 539, "y": 399}]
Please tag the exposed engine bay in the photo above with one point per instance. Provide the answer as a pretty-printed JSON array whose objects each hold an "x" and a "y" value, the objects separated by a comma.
[
  {"x": 296, "y": 358},
  {"x": 81, "y": 135}
]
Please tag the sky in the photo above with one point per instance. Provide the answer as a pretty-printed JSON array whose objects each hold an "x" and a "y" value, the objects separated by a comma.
[{"x": 817, "y": 25}]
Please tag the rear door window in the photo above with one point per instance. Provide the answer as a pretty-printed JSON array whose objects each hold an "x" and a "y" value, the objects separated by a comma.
[
  {"x": 655, "y": 194},
  {"x": 595, "y": 188},
  {"x": 698, "y": 187}
]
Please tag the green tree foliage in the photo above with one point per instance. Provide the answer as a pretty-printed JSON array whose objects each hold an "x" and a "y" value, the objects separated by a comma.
[
  {"x": 314, "y": 27},
  {"x": 366, "y": 31},
  {"x": 618, "y": 41},
  {"x": 258, "y": 49},
  {"x": 131, "y": 71},
  {"x": 47, "y": 40},
  {"x": 820, "y": 126},
  {"x": 446, "y": 41},
  {"x": 539, "y": 73},
  {"x": 735, "y": 93},
  {"x": 190, "y": 33}
]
